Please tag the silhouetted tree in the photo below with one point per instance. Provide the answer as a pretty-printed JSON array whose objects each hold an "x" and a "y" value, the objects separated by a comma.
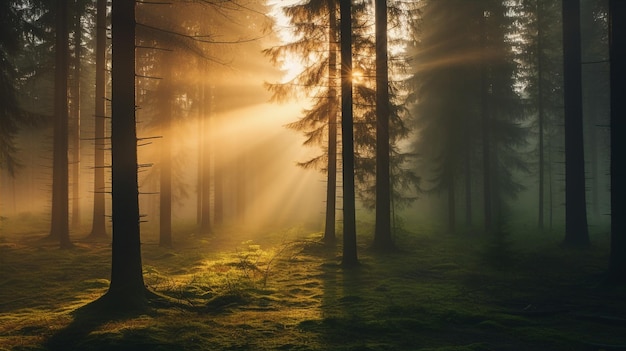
[
  {"x": 79, "y": 9},
  {"x": 349, "y": 210},
  {"x": 59, "y": 226},
  {"x": 576, "y": 230},
  {"x": 98, "y": 228},
  {"x": 127, "y": 289},
  {"x": 204, "y": 162},
  {"x": 331, "y": 185},
  {"x": 12, "y": 28},
  {"x": 617, "y": 47},
  {"x": 165, "y": 170},
  {"x": 596, "y": 104},
  {"x": 382, "y": 231}
]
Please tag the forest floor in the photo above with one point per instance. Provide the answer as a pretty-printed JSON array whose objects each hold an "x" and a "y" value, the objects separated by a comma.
[{"x": 285, "y": 291}]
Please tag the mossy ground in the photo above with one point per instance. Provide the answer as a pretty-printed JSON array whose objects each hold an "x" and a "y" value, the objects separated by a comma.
[{"x": 285, "y": 291}]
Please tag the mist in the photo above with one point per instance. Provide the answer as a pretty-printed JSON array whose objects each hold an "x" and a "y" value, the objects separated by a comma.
[{"x": 291, "y": 196}]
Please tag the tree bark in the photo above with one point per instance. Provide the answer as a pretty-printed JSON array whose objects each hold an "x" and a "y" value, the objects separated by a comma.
[
  {"x": 617, "y": 48},
  {"x": 486, "y": 133},
  {"x": 75, "y": 114},
  {"x": 59, "y": 227},
  {"x": 165, "y": 181},
  {"x": 98, "y": 228},
  {"x": 576, "y": 231},
  {"x": 451, "y": 205},
  {"x": 331, "y": 184},
  {"x": 219, "y": 166},
  {"x": 540, "y": 117},
  {"x": 127, "y": 289},
  {"x": 382, "y": 232},
  {"x": 349, "y": 208},
  {"x": 205, "y": 223}
]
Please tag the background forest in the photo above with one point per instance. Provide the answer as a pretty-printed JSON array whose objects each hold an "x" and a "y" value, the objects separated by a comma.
[{"x": 311, "y": 175}]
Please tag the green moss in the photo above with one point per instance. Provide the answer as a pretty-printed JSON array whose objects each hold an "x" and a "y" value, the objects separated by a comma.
[{"x": 277, "y": 294}]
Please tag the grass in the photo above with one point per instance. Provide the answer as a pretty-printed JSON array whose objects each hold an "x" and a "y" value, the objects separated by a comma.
[{"x": 285, "y": 291}]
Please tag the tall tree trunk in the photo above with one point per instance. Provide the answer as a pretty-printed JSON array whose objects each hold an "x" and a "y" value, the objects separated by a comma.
[
  {"x": 331, "y": 184},
  {"x": 349, "y": 208},
  {"x": 127, "y": 289},
  {"x": 165, "y": 181},
  {"x": 218, "y": 193},
  {"x": 550, "y": 187},
  {"x": 382, "y": 231},
  {"x": 486, "y": 132},
  {"x": 218, "y": 179},
  {"x": 241, "y": 186},
  {"x": 75, "y": 113},
  {"x": 617, "y": 47},
  {"x": 205, "y": 224},
  {"x": 451, "y": 205},
  {"x": 576, "y": 231},
  {"x": 59, "y": 228},
  {"x": 540, "y": 115},
  {"x": 200, "y": 149},
  {"x": 98, "y": 228},
  {"x": 468, "y": 173}
]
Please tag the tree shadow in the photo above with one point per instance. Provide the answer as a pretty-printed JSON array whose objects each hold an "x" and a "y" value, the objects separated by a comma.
[{"x": 79, "y": 334}]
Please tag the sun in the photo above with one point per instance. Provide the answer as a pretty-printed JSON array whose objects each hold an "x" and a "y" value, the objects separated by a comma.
[{"x": 357, "y": 76}]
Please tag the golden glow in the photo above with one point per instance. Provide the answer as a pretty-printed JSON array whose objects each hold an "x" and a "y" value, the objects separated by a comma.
[
  {"x": 357, "y": 76},
  {"x": 291, "y": 67}
]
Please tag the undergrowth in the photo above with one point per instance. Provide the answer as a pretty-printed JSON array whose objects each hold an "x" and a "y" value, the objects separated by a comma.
[{"x": 289, "y": 292}]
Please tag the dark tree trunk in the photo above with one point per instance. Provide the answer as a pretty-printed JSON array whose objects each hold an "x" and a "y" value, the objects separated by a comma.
[
  {"x": 451, "y": 205},
  {"x": 205, "y": 164},
  {"x": 98, "y": 228},
  {"x": 468, "y": 173},
  {"x": 75, "y": 113},
  {"x": 382, "y": 231},
  {"x": 617, "y": 47},
  {"x": 199, "y": 148},
  {"x": 331, "y": 184},
  {"x": 59, "y": 228},
  {"x": 165, "y": 181},
  {"x": 486, "y": 133},
  {"x": 540, "y": 116},
  {"x": 127, "y": 290},
  {"x": 349, "y": 208},
  {"x": 218, "y": 183},
  {"x": 576, "y": 231},
  {"x": 242, "y": 189}
]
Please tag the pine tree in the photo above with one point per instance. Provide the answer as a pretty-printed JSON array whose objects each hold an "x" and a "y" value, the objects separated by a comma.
[
  {"x": 315, "y": 23},
  {"x": 617, "y": 40},
  {"x": 12, "y": 27},
  {"x": 59, "y": 226},
  {"x": 127, "y": 289},
  {"x": 98, "y": 228},
  {"x": 349, "y": 258},
  {"x": 576, "y": 230},
  {"x": 382, "y": 231}
]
